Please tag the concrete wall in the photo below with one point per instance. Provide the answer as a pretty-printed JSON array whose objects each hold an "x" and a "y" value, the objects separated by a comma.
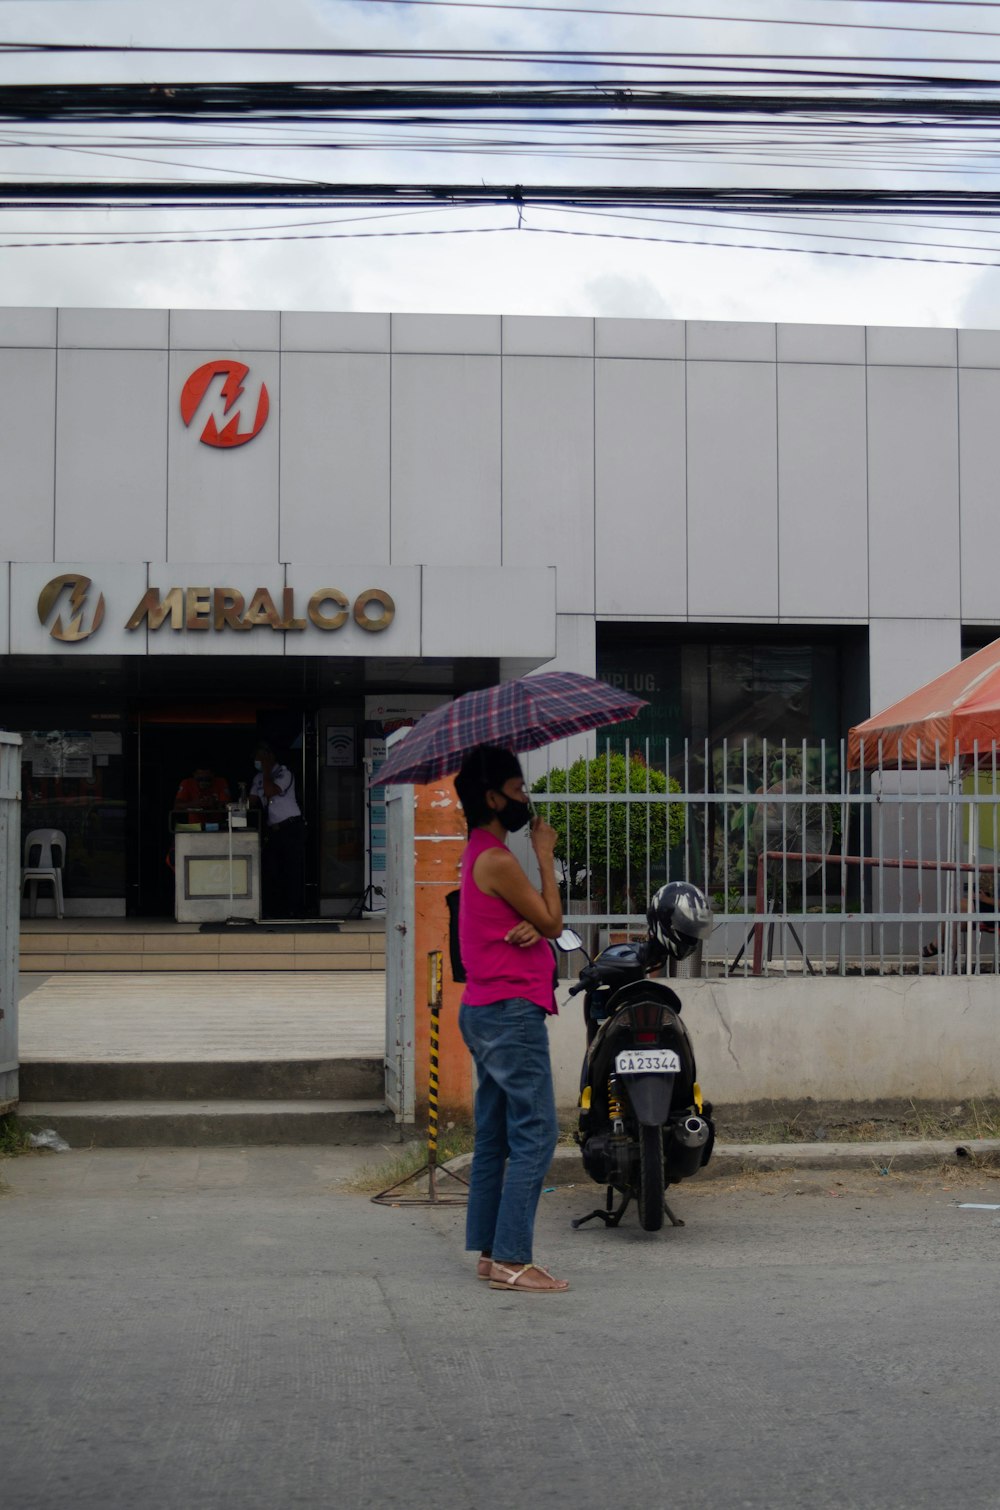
[{"x": 830, "y": 1039}]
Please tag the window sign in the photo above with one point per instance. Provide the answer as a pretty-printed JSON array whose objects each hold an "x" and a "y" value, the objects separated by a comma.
[
  {"x": 340, "y": 745},
  {"x": 59, "y": 753}
]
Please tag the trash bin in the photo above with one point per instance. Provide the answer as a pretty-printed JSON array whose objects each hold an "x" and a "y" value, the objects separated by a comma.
[{"x": 687, "y": 969}]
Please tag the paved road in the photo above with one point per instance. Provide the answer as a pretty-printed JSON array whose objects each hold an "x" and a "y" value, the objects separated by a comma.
[{"x": 234, "y": 1328}]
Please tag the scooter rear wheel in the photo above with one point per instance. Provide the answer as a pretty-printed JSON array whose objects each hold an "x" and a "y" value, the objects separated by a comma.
[{"x": 651, "y": 1183}]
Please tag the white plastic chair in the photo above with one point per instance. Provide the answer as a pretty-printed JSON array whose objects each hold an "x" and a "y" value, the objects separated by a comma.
[{"x": 40, "y": 865}]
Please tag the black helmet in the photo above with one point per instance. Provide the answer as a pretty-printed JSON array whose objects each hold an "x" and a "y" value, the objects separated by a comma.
[{"x": 679, "y": 918}]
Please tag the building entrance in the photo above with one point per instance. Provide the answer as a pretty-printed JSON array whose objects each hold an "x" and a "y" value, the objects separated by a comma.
[
  {"x": 108, "y": 741},
  {"x": 170, "y": 746}
]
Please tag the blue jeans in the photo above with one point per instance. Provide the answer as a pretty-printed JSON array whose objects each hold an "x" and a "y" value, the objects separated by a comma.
[{"x": 516, "y": 1125}]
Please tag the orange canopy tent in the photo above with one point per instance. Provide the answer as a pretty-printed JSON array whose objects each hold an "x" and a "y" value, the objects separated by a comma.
[{"x": 957, "y": 713}]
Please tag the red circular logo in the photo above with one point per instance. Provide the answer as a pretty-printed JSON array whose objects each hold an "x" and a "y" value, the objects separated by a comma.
[{"x": 231, "y": 388}]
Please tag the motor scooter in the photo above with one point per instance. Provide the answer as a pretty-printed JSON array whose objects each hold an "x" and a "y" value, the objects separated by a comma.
[{"x": 643, "y": 1123}]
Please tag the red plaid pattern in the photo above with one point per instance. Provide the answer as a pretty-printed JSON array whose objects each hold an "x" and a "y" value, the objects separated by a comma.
[{"x": 519, "y": 715}]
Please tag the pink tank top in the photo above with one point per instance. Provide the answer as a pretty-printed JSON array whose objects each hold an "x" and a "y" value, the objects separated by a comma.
[{"x": 496, "y": 971}]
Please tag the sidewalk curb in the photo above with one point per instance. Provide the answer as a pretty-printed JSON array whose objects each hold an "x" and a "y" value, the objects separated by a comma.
[
  {"x": 729, "y": 1159},
  {"x": 735, "y": 1158}
]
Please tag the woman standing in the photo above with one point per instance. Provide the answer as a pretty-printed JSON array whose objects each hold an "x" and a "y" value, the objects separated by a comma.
[{"x": 504, "y": 922}]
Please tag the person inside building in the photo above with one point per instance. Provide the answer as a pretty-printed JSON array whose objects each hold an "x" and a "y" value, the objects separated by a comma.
[
  {"x": 283, "y": 835},
  {"x": 981, "y": 901},
  {"x": 504, "y": 926},
  {"x": 202, "y": 792}
]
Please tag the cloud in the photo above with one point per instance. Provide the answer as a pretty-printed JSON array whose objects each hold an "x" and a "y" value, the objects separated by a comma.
[
  {"x": 980, "y": 308},
  {"x": 501, "y": 271},
  {"x": 627, "y": 297}
]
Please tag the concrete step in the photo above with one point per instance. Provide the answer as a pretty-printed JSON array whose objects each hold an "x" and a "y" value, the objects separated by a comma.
[
  {"x": 330, "y": 1079},
  {"x": 49, "y": 946},
  {"x": 208, "y": 1124}
]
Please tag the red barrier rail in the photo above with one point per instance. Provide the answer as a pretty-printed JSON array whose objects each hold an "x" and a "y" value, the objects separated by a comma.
[{"x": 811, "y": 856}]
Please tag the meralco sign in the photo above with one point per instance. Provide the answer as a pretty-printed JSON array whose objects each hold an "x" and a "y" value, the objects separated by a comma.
[
  {"x": 220, "y": 608},
  {"x": 211, "y": 609}
]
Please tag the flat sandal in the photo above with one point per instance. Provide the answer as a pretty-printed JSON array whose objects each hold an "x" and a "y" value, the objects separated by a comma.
[{"x": 507, "y": 1277}]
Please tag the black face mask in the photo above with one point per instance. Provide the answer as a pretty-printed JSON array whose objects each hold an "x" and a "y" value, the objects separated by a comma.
[{"x": 515, "y": 815}]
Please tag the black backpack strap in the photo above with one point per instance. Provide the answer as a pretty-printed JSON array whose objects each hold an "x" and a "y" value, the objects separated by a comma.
[{"x": 457, "y": 968}]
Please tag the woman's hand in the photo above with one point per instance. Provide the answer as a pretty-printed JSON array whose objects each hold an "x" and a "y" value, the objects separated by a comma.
[
  {"x": 523, "y": 935},
  {"x": 543, "y": 838}
]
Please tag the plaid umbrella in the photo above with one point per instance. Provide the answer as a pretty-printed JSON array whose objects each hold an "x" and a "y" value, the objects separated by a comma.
[{"x": 519, "y": 715}]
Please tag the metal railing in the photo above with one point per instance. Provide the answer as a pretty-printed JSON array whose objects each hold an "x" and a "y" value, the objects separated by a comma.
[{"x": 809, "y": 868}]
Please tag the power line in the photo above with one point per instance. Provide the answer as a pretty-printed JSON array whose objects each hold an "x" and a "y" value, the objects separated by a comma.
[
  {"x": 232, "y": 239},
  {"x": 741, "y": 246},
  {"x": 561, "y": 56},
  {"x": 757, "y": 113},
  {"x": 727, "y": 226},
  {"x": 125, "y": 235},
  {"x": 284, "y": 104},
  {"x": 653, "y": 15},
  {"x": 516, "y": 230},
  {"x": 921, "y": 133},
  {"x": 759, "y": 200}
]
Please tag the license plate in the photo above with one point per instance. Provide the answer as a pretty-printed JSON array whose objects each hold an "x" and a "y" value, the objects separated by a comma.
[{"x": 648, "y": 1062}]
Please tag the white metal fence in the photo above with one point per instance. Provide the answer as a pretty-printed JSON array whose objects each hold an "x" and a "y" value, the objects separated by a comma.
[{"x": 808, "y": 867}]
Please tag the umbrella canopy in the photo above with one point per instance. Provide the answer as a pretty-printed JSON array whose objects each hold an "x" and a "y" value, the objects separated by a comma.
[
  {"x": 958, "y": 710},
  {"x": 524, "y": 714}
]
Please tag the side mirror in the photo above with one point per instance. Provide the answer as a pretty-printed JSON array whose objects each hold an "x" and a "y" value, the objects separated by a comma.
[{"x": 568, "y": 941}]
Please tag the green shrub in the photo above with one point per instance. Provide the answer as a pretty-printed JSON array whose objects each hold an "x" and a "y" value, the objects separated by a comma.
[
  {"x": 614, "y": 841},
  {"x": 13, "y": 1137}
]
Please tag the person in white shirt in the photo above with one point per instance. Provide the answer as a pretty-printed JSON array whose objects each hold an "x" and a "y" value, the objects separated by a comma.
[{"x": 283, "y": 835}]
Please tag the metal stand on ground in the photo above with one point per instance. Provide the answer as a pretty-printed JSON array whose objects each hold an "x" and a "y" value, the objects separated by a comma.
[
  {"x": 229, "y": 831},
  {"x": 231, "y": 921},
  {"x": 365, "y": 902},
  {"x": 612, "y": 1214},
  {"x": 427, "y": 1194},
  {"x": 758, "y": 951},
  {"x": 756, "y": 931}
]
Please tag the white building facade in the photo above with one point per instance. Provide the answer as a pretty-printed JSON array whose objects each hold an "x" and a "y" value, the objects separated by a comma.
[{"x": 223, "y": 526}]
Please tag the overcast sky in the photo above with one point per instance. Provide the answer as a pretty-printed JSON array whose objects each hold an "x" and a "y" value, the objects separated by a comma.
[{"x": 500, "y": 270}]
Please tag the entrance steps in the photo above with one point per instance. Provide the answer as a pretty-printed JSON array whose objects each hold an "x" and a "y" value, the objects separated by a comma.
[
  {"x": 146, "y": 1060},
  {"x": 134, "y": 944}
]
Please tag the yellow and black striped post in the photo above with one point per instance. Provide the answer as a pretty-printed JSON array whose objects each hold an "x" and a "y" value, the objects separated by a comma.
[
  {"x": 434, "y": 994},
  {"x": 394, "y": 1196}
]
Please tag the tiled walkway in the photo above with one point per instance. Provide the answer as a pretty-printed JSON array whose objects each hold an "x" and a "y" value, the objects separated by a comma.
[{"x": 202, "y": 1016}]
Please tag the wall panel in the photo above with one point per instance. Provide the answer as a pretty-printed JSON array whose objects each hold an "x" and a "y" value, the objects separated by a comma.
[
  {"x": 822, "y": 492},
  {"x": 28, "y": 449},
  {"x": 111, "y": 455},
  {"x": 446, "y": 460},
  {"x": 334, "y": 457},
  {"x": 979, "y": 396},
  {"x": 732, "y": 490},
  {"x": 548, "y": 472},
  {"x": 641, "y": 526},
  {"x": 913, "y": 492}
]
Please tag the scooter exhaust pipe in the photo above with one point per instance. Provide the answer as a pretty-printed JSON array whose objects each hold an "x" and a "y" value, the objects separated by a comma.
[{"x": 692, "y": 1132}]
